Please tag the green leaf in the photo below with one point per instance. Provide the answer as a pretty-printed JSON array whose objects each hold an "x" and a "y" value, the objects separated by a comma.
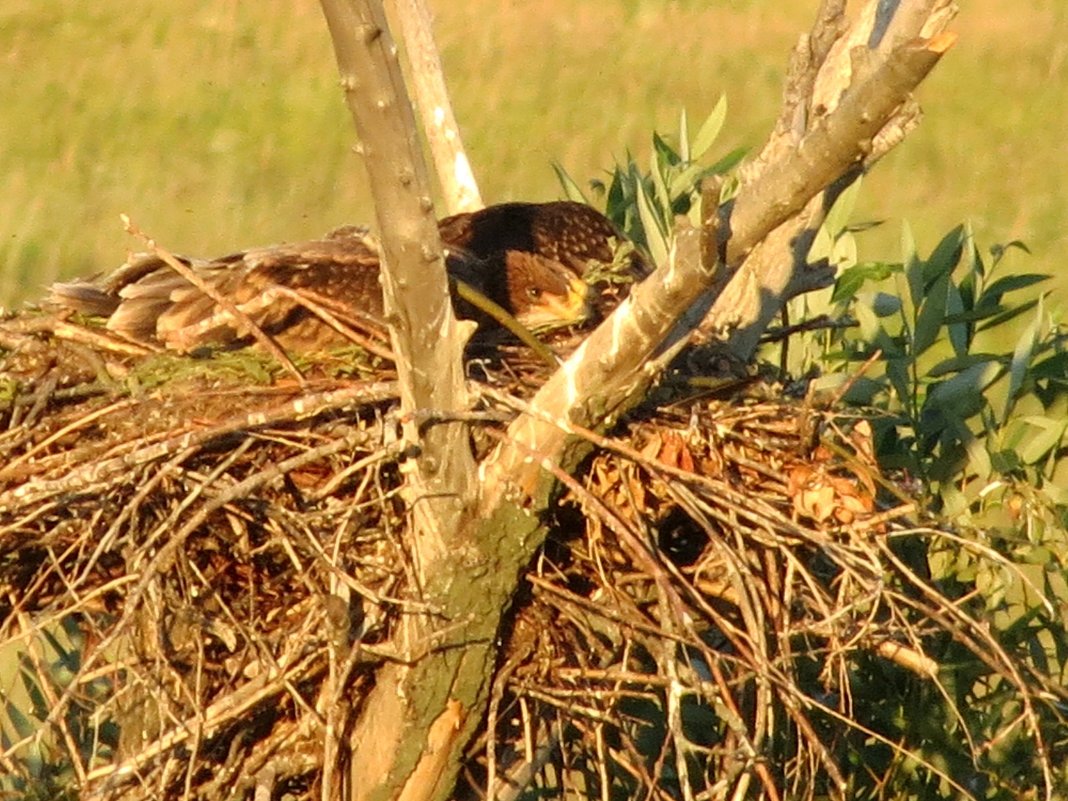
[
  {"x": 844, "y": 251},
  {"x": 965, "y": 386},
  {"x": 821, "y": 248},
  {"x": 730, "y": 188},
  {"x": 931, "y": 316},
  {"x": 666, "y": 155},
  {"x": 663, "y": 198},
  {"x": 686, "y": 181},
  {"x": 709, "y": 130},
  {"x": 897, "y": 372},
  {"x": 852, "y": 279},
  {"x": 1056, "y": 367},
  {"x": 684, "y": 136},
  {"x": 1048, "y": 434},
  {"x": 1021, "y": 361},
  {"x": 1010, "y": 283},
  {"x": 884, "y": 304},
  {"x": 655, "y": 237},
  {"x": 728, "y": 162},
  {"x": 913, "y": 267},
  {"x": 572, "y": 191},
  {"x": 974, "y": 316},
  {"x": 838, "y": 217},
  {"x": 615, "y": 206},
  {"x": 1012, "y": 313},
  {"x": 960, "y": 334},
  {"x": 67, "y": 660},
  {"x": 23, "y": 726},
  {"x": 945, "y": 257},
  {"x": 31, "y": 683},
  {"x": 958, "y": 364},
  {"x": 975, "y": 448}
]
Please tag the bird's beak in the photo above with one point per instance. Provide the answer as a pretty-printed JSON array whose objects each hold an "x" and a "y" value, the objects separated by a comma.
[{"x": 558, "y": 310}]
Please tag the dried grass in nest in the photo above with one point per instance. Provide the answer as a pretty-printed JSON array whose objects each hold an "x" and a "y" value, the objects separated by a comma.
[{"x": 220, "y": 580}]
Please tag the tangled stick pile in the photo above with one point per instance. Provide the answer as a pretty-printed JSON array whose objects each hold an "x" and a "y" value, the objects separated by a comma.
[{"x": 201, "y": 559}]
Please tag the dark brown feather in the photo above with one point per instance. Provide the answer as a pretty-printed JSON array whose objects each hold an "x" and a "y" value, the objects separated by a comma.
[
  {"x": 571, "y": 233},
  {"x": 147, "y": 300}
]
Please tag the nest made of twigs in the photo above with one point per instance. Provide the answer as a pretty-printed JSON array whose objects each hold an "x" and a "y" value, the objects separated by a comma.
[{"x": 198, "y": 569}]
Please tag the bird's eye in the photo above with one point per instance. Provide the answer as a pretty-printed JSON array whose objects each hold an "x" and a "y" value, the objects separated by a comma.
[{"x": 533, "y": 293}]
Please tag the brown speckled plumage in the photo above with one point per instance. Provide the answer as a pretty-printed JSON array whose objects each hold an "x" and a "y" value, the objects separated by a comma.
[
  {"x": 526, "y": 257},
  {"x": 147, "y": 301},
  {"x": 571, "y": 233}
]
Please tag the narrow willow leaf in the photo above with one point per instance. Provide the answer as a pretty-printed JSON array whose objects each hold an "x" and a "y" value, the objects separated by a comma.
[
  {"x": 709, "y": 129},
  {"x": 655, "y": 237},
  {"x": 958, "y": 364},
  {"x": 844, "y": 251},
  {"x": 959, "y": 333},
  {"x": 1046, "y": 434},
  {"x": 945, "y": 257},
  {"x": 1022, "y": 355},
  {"x": 822, "y": 246},
  {"x": 728, "y": 162},
  {"x": 663, "y": 198},
  {"x": 22, "y": 725},
  {"x": 897, "y": 372},
  {"x": 852, "y": 279},
  {"x": 666, "y": 155},
  {"x": 838, "y": 217},
  {"x": 963, "y": 388},
  {"x": 931, "y": 316},
  {"x": 913, "y": 265},
  {"x": 572, "y": 191},
  {"x": 1011, "y": 313},
  {"x": 686, "y": 181},
  {"x": 1011, "y": 283}
]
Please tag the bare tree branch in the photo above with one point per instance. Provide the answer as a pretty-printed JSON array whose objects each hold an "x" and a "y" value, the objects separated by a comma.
[
  {"x": 426, "y": 336},
  {"x": 458, "y": 186},
  {"x": 600, "y": 380},
  {"x": 413, "y": 724},
  {"x": 823, "y": 74}
]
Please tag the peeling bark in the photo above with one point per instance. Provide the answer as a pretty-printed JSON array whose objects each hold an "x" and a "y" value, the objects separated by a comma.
[{"x": 862, "y": 62}]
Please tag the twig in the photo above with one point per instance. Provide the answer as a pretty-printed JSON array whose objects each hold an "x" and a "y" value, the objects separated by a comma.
[{"x": 221, "y": 300}]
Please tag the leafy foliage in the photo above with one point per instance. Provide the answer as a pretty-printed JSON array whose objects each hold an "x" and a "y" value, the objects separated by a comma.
[
  {"x": 962, "y": 371},
  {"x": 965, "y": 378},
  {"x": 44, "y": 671},
  {"x": 972, "y": 378},
  {"x": 644, "y": 204}
]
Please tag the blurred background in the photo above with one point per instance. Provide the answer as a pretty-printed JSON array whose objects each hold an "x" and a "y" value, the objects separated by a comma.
[{"x": 220, "y": 125}]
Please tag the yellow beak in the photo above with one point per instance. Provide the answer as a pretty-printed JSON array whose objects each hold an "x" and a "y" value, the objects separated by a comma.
[{"x": 553, "y": 311}]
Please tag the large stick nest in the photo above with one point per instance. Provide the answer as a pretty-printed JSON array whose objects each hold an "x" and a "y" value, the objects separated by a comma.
[{"x": 202, "y": 561}]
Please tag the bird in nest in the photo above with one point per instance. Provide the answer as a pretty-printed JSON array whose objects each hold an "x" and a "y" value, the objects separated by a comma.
[{"x": 527, "y": 258}]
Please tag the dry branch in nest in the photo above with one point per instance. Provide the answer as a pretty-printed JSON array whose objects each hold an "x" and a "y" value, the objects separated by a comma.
[{"x": 194, "y": 591}]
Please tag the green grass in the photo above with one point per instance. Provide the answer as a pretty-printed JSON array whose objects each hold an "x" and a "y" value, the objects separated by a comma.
[{"x": 217, "y": 126}]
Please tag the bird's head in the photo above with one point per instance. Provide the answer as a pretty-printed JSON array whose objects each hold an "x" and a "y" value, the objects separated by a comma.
[{"x": 543, "y": 293}]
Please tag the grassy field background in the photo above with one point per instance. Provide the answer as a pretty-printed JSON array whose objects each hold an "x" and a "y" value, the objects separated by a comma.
[{"x": 218, "y": 125}]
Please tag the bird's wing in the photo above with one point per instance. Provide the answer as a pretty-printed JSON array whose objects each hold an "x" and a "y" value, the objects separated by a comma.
[{"x": 262, "y": 285}]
